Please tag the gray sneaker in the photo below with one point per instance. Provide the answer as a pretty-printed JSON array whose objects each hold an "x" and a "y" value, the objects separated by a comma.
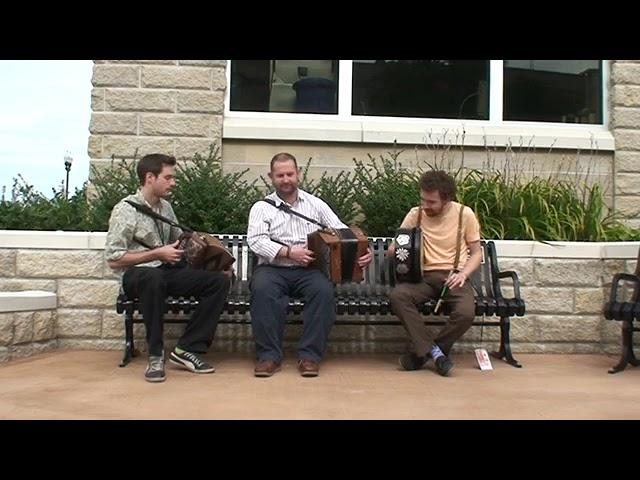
[{"x": 155, "y": 369}]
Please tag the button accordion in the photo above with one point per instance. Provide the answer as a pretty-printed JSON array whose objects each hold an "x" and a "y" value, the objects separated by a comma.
[
  {"x": 204, "y": 251},
  {"x": 407, "y": 258},
  {"x": 337, "y": 251}
]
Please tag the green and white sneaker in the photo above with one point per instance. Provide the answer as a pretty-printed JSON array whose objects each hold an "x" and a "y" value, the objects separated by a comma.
[{"x": 190, "y": 361}]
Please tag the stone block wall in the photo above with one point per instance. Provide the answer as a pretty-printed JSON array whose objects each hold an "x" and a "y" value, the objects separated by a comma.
[
  {"x": 624, "y": 106},
  {"x": 23, "y": 334},
  {"x": 155, "y": 106}
]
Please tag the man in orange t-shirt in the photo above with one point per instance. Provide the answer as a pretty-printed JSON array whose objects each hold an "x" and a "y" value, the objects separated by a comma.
[{"x": 439, "y": 223}]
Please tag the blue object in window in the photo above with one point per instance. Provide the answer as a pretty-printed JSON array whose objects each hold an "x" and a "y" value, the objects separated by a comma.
[{"x": 315, "y": 95}]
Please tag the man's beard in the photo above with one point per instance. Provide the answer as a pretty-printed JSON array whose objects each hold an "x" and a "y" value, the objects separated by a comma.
[
  {"x": 432, "y": 213},
  {"x": 288, "y": 191}
]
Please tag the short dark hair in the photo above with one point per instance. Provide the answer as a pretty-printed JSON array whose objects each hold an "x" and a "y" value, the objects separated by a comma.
[
  {"x": 441, "y": 181},
  {"x": 283, "y": 157},
  {"x": 154, "y": 162}
]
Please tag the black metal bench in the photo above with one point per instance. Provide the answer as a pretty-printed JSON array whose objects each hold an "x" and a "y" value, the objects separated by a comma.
[
  {"x": 370, "y": 298},
  {"x": 625, "y": 310}
]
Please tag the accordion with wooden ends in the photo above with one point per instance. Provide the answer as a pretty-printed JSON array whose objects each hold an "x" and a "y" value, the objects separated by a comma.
[
  {"x": 407, "y": 258},
  {"x": 337, "y": 251},
  {"x": 204, "y": 251}
]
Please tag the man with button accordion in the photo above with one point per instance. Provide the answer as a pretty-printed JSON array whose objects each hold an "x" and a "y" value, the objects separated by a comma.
[
  {"x": 277, "y": 234},
  {"x": 450, "y": 253},
  {"x": 145, "y": 254}
]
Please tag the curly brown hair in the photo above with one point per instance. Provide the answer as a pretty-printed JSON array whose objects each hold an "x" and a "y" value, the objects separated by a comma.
[{"x": 441, "y": 181}]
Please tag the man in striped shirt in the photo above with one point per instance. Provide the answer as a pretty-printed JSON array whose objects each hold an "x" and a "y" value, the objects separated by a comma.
[{"x": 279, "y": 240}]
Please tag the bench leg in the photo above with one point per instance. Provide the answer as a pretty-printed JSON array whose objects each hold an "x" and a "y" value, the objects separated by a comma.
[
  {"x": 627, "y": 355},
  {"x": 129, "y": 350},
  {"x": 505, "y": 344}
]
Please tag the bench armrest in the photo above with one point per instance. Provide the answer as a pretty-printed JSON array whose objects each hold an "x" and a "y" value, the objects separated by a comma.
[
  {"x": 514, "y": 278},
  {"x": 492, "y": 258},
  {"x": 617, "y": 280}
]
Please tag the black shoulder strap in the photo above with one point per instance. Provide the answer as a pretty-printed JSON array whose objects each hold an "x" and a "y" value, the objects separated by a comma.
[
  {"x": 147, "y": 211},
  {"x": 288, "y": 209}
]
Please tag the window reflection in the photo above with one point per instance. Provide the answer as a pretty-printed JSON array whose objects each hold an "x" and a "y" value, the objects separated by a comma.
[
  {"x": 421, "y": 88},
  {"x": 293, "y": 86},
  {"x": 566, "y": 91}
]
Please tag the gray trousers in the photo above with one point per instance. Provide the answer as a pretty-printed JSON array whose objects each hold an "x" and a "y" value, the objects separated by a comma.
[
  {"x": 405, "y": 296},
  {"x": 271, "y": 288}
]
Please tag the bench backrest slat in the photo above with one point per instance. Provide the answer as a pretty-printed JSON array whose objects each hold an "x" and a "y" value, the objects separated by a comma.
[{"x": 378, "y": 277}]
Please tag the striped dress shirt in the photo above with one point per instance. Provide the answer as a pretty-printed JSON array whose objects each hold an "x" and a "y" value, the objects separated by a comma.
[{"x": 268, "y": 223}]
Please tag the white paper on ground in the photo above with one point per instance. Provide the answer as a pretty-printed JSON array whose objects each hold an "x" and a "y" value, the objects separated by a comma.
[{"x": 483, "y": 359}]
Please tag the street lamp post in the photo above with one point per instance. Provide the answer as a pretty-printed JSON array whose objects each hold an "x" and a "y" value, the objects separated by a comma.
[{"x": 67, "y": 166}]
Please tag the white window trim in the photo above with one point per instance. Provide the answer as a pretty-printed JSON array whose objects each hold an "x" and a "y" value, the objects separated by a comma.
[{"x": 345, "y": 127}]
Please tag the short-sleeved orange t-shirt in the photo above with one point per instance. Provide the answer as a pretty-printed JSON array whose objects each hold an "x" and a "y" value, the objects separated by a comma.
[{"x": 439, "y": 235}]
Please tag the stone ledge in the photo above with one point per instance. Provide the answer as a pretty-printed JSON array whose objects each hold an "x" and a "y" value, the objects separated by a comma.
[
  {"x": 29, "y": 300},
  {"x": 39, "y": 239}
]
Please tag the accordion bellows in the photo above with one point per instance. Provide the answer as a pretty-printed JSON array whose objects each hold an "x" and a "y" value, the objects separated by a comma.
[{"x": 337, "y": 252}]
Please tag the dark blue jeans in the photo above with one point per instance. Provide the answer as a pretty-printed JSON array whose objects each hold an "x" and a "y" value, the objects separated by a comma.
[{"x": 271, "y": 288}]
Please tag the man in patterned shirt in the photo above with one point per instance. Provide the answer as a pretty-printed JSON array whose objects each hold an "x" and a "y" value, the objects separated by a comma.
[
  {"x": 279, "y": 240},
  {"x": 143, "y": 252}
]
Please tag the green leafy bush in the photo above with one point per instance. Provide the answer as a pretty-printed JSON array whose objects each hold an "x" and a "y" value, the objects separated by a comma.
[
  {"x": 111, "y": 184},
  {"x": 385, "y": 191},
  {"x": 29, "y": 209},
  {"x": 510, "y": 205},
  {"x": 207, "y": 199},
  {"x": 377, "y": 194}
]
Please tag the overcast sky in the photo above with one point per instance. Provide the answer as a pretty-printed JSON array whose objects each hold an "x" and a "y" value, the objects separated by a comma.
[{"x": 45, "y": 108}]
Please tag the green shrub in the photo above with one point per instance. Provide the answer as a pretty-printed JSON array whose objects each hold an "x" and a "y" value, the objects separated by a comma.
[
  {"x": 111, "y": 184},
  {"x": 385, "y": 191},
  {"x": 30, "y": 210},
  {"x": 377, "y": 194},
  {"x": 510, "y": 206},
  {"x": 207, "y": 199}
]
